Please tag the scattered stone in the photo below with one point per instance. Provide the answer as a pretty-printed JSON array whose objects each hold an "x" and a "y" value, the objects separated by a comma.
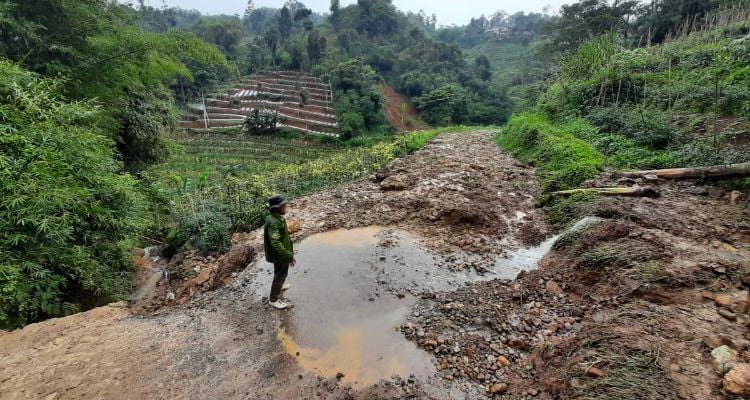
[
  {"x": 518, "y": 343},
  {"x": 503, "y": 361},
  {"x": 594, "y": 372},
  {"x": 737, "y": 381},
  {"x": 735, "y": 197},
  {"x": 724, "y": 358},
  {"x": 553, "y": 288},
  {"x": 395, "y": 182},
  {"x": 727, "y": 314},
  {"x": 499, "y": 388}
]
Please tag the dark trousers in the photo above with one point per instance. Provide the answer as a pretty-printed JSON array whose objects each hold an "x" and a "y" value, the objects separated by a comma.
[{"x": 280, "y": 271}]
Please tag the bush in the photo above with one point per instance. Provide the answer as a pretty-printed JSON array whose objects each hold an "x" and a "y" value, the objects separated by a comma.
[
  {"x": 563, "y": 160},
  {"x": 67, "y": 217}
]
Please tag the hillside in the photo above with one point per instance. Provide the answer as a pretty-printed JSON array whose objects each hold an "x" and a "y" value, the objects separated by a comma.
[
  {"x": 575, "y": 225},
  {"x": 297, "y": 101}
]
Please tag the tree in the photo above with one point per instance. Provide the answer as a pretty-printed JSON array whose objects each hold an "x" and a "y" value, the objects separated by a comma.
[
  {"x": 68, "y": 217},
  {"x": 482, "y": 67},
  {"x": 335, "y": 16},
  {"x": 271, "y": 39},
  {"x": 250, "y": 9},
  {"x": 316, "y": 45},
  {"x": 445, "y": 105},
  {"x": 302, "y": 14},
  {"x": 143, "y": 117},
  {"x": 285, "y": 23},
  {"x": 377, "y": 17},
  {"x": 225, "y": 33}
]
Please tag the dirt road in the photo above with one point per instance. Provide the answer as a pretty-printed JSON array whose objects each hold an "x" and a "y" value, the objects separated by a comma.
[
  {"x": 458, "y": 193},
  {"x": 631, "y": 305}
]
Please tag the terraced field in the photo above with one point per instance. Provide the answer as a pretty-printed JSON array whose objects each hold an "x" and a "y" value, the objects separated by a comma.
[
  {"x": 303, "y": 102},
  {"x": 212, "y": 154}
]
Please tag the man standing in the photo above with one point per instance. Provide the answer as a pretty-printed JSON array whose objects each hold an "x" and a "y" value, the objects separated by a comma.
[{"x": 278, "y": 248}]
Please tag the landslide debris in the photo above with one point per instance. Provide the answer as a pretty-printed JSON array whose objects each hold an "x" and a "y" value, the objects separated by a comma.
[{"x": 630, "y": 306}]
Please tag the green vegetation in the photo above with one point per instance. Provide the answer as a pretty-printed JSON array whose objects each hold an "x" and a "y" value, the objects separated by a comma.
[
  {"x": 630, "y": 375},
  {"x": 210, "y": 210},
  {"x": 90, "y": 92},
  {"x": 68, "y": 217},
  {"x": 85, "y": 98},
  {"x": 641, "y": 108},
  {"x": 563, "y": 160}
]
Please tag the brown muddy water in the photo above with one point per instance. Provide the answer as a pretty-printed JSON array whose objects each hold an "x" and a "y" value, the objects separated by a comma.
[{"x": 352, "y": 289}]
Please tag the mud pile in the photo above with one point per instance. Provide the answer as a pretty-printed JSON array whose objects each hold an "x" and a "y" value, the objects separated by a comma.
[
  {"x": 461, "y": 193},
  {"x": 630, "y": 307}
]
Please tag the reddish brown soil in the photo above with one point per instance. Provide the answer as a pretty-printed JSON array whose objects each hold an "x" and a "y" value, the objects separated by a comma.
[
  {"x": 411, "y": 121},
  {"x": 632, "y": 296},
  {"x": 642, "y": 297}
]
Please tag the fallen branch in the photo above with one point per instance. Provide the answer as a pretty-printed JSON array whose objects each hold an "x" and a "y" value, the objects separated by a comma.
[
  {"x": 614, "y": 191},
  {"x": 714, "y": 171}
]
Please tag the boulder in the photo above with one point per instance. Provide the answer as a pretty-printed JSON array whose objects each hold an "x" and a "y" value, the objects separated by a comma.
[
  {"x": 294, "y": 225},
  {"x": 724, "y": 358},
  {"x": 553, "y": 288},
  {"x": 737, "y": 381},
  {"x": 731, "y": 301},
  {"x": 239, "y": 256},
  {"x": 594, "y": 372},
  {"x": 499, "y": 388},
  {"x": 395, "y": 182}
]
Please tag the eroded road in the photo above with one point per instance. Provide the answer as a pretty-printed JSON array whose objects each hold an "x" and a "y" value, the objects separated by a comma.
[
  {"x": 461, "y": 202},
  {"x": 396, "y": 278}
]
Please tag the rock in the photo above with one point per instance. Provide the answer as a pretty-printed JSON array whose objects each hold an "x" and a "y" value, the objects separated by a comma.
[
  {"x": 237, "y": 258},
  {"x": 339, "y": 375},
  {"x": 737, "y": 381},
  {"x": 716, "y": 192},
  {"x": 553, "y": 288},
  {"x": 517, "y": 343},
  {"x": 52, "y": 396},
  {"x": 727, "y": 314},
  {"x": 594, "y": 372},
  {"x": 502, "y": 361},
  {"x": 294, "y": 224},
  {"x": 499, "y": 388},
  {"x": 202, "y": 277},
  {"x": 675, "y": 368},
  {"x": 731, "y": 301},
  {"x": 735, "y": 197},
  {"x": 724, "y": 358},
  {"x": 395, "y": 182}
]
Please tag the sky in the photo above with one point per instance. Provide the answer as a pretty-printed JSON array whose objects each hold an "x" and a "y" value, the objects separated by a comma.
[{"x": 447, "y": 12}]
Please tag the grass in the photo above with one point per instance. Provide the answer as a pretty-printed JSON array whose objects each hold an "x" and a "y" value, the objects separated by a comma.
[
  {"x": 633, "y": 376},
  {"x": 563, "y": 161},
  {"x": 210, "y": 156}
]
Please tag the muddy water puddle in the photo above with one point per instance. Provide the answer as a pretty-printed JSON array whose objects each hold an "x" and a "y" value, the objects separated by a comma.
[{"x": 352, "y": 289}]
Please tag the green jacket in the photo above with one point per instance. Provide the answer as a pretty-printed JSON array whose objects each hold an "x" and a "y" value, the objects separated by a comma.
[{"x": 276, "y": 240}]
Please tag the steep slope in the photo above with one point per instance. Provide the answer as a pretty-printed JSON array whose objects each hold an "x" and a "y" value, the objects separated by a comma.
[{"x": 301, "y": 101}]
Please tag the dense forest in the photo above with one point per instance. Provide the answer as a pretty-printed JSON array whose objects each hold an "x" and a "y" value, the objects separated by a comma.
[{"x": 90, "y": 90}]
